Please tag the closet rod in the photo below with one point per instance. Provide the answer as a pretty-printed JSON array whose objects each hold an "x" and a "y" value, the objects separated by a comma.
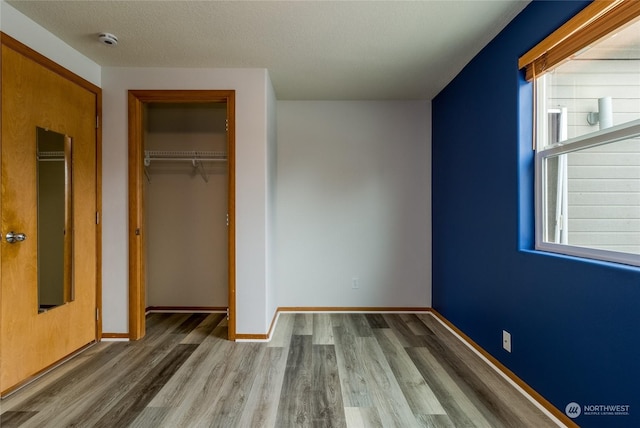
[
  {"x": 195, "y": 155},
  {"x": 189, "y": 159}
]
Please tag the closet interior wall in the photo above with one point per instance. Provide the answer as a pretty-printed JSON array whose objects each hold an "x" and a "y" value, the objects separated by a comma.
[{"x": 186, "y": 207}]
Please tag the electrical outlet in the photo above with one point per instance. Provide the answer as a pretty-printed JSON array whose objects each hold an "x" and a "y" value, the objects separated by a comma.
[
  {"x": 355, "y": 283},
  {"x": 506, "y": 340}
]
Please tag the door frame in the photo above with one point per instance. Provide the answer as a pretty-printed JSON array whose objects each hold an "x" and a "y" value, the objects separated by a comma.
[{"x": 137, "y": 269}]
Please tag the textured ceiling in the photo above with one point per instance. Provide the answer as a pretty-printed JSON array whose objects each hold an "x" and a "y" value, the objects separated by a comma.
[{"x": 312, "y": 49}]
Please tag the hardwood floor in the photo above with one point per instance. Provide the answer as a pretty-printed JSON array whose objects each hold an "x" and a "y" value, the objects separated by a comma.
[{"x": 319, "y": 370}]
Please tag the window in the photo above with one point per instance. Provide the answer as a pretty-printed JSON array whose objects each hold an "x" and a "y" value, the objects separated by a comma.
[{"x": 587, "y": 115}]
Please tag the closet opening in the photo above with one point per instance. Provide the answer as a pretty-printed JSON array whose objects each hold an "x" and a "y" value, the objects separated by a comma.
[{"x": 181, "y": 204}]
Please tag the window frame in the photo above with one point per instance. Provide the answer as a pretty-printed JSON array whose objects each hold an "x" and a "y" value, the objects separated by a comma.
[
  {"x": 594, "y": 22},
  {"x": 605, "y": 136}
]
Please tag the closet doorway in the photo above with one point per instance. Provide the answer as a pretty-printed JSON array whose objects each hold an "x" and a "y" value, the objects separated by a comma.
[{"x": 181, "y": 203}]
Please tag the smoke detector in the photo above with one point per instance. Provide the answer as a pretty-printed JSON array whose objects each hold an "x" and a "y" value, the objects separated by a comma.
[{"x": 108, "y": 39}]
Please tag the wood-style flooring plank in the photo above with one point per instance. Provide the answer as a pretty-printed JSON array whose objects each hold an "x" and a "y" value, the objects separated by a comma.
[
  {"x": 355, "y": 391},
  {"x": 116, "y": 378},
  {"x": 415, "y": 324},
  {"x": 190, "y": 399},
  {"x": 131, "y": 404},
  {"x": 319, "y": 370},
  {"x": 388, "y": 398},
  {"x": 403, "y": 331},
  {"x": 322, "y": 330},
  {"x": 438, "y": 421},
  {"x": 419, "y": 395},
  {"x": 66, "y": 394},
  {"x": 189, "y": 324},
  {"x": 262, "y": 403},
  {"x": 281, "y": 337},
  {"x": 149, "y": 417},
  {"x": 492, "y": 391},
  {"x": 10, "y": 419},
  {"x": 362, "y": 417},
  {"x": 49, "y": 389},
  {"x": 466, "y": 377},
  {"x": 326, "y": 394},
  {"x": 163, "y": 325},
  {"x": 355, "y": 324},
  {"x": 458, "y": 406},
  {"x": 188, "y": 379},
  {"x": 303, "y": 324},
  {"x": 33, "y": 394},
  {"x": 204, "y": 329},
  {"x": 233, "y": 394},
  {"x": 294, "y": 408},
  {"x": 376, "y": 321}
]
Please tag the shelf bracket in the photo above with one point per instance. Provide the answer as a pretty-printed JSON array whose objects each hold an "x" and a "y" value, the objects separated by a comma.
[{"x": 199, "y": 166}]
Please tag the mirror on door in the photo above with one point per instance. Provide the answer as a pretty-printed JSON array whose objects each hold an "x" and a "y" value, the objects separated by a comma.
[{"x": 55, "y": 242}]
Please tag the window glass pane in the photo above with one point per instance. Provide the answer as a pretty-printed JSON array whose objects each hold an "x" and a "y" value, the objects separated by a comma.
[
  {"x": 596, "y": 204},
  {"x": 600, "y": 86}
]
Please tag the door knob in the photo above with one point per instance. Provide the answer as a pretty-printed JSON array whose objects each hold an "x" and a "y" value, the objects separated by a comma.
[{"x": 13, "y": 237}]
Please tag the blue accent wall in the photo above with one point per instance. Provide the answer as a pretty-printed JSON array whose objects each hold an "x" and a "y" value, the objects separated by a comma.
[{"x": 575, "y": 323}]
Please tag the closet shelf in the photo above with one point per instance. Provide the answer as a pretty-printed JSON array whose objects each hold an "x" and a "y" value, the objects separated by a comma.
[
  {"x": 51, "y": 156},
  {"x": 196, "y": 157},
  {"x": 183, "y": 155}
]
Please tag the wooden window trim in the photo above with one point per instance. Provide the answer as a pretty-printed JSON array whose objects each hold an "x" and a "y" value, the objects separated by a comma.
[{"x": 594, "y": 22}]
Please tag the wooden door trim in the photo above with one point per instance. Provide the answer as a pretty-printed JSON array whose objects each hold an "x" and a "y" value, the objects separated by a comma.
[
  {"x": 99, "y": 214},
  {"x": 136, "y": 101},
  {"x": 27, "y": 52}
]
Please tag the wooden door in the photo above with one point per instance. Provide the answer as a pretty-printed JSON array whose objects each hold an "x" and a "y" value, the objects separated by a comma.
[{"x": 35, "y": 96}]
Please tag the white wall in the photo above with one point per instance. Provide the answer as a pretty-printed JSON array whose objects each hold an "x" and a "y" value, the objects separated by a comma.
[
  {"x": 251, "y": 142},
  {"x": 272, "y": 168},
  {"x": 354, "y": 200},
  {"x": 23, "y": 29}
]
